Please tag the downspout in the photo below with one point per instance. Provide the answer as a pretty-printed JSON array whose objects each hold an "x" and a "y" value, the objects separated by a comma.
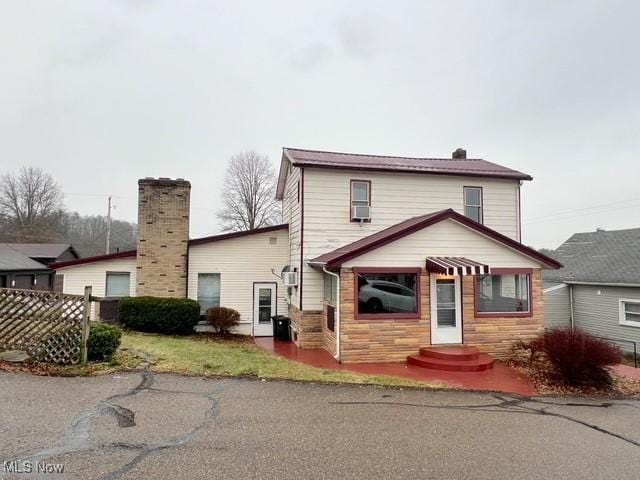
[
  {"x": 571, "y": 306},
  {"x": 337, "y": 311}
]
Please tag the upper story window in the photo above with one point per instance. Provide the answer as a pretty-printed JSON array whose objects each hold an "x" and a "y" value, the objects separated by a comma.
[
  {"x": 360, "y": 200},
  {"x": 473, "y": 203}
]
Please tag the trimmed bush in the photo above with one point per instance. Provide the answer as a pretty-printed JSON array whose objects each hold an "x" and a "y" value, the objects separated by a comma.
[
  {"x": 223, "y": 319},
  {"x": 174, "y": 316},
  {"x": 103, "y": 341},
  {"x": 577, "y": 358}
]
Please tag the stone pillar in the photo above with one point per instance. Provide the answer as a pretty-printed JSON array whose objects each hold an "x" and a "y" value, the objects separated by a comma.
[{"x": 163, "y": 237}]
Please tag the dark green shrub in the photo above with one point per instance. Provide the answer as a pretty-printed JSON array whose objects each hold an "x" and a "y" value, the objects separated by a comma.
[
  {"x": 577, "y": 358},
  {"x": 161, "y": 315},
  {"x": 103, "y": 341},
  {"x": 223, "y": 319}
]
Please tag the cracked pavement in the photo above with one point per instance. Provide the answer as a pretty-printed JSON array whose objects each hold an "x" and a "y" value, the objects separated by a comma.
[{"x": 144, "y": 425}]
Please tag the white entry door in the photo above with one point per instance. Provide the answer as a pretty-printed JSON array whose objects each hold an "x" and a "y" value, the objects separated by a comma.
[
  {"x": 446, "y": 310},
  {"x": 264, "y": 307}
]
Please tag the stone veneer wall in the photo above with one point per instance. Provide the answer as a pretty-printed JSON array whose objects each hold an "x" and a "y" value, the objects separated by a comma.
[
  {"x": 328, "y": 337},
  {"x": 390, "y": 340},
  {"x": 496, "y": 335},
  {"x": 163, "y": 236},
  {"x": 308, "y": 325},
  {"x": 393, "y": 340}
]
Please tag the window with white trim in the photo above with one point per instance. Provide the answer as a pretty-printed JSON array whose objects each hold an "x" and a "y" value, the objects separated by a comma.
[
  {"x": 330, "y": 288},
  {"x": 208, "y": 291},
  {"x": 473, "y": 203},
  {"x": 630, "y": 312},
  {"x": 118, "y": 284},
  {"x": 360, "y": 197}
]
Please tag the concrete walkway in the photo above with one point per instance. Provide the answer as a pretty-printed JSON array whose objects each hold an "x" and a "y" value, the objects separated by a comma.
[{"x": 498, "y": 379}]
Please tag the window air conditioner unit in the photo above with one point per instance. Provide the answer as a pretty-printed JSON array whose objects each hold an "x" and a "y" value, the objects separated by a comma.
[
  {"x": 290, "y": 279},
  {"x": 361, "y": 212}
]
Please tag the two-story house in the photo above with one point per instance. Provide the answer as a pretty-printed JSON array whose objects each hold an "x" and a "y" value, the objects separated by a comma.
[
  {"x": 378, "y": 256},
  {"x": 397, "y": 253}
]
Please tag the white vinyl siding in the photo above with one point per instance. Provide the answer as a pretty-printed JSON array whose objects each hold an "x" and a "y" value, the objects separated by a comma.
[
  {"x": 241, "y": 262},
  {"x": 291, "y": 214},
  {"x": 445, "y": 239},
  {"x": 76, "y": 277},
  {"x": 395, "y": 197},
  {"x": 118, "y": 284}
]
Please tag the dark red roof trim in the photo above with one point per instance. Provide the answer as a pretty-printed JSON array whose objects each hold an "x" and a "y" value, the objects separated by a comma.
[
  {"x": 97, "y": 258},
  {"x": 473, "y": 167},
  {"x": 337, "y": 257},
  {"x": 245, "y": 233},
  {"x": 195, "y": 241}
]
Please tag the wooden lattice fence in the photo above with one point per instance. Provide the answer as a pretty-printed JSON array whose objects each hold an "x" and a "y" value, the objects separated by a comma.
[{"x": 48, "y": 326}]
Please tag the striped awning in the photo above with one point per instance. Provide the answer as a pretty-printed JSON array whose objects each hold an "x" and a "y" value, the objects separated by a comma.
[{"x": 455, "y": 266}]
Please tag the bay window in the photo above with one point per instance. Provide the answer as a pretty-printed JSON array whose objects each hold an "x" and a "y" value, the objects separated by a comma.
[{"x": 503, "y": 294}]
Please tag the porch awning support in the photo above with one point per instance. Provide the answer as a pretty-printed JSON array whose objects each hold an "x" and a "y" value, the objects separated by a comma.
[{"x": 455, "y": 266}]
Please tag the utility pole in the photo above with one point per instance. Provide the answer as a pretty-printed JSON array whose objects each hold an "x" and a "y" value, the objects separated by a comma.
[{"x": 109, "y": 226}]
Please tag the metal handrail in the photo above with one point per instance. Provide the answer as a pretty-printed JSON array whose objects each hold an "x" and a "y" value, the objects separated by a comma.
[{"x": 635, "y": 347}]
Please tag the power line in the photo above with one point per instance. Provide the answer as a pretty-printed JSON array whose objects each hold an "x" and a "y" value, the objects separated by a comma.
[{"x": 570, "y": 211}]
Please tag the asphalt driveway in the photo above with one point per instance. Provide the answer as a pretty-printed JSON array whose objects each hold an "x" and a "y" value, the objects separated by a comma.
[{"x": 132, "y": 426}]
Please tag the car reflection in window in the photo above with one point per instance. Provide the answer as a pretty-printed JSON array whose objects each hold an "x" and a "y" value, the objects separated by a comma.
[{"x": 381, "y": 296}]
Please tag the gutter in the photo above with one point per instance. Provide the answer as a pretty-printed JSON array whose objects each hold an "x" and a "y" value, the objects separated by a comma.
[
  {"x": 571, "y": 306},
  {"x": 603, "y": 284}
]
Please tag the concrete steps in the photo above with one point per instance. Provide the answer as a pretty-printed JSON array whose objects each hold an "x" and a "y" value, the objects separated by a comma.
[{"x": 452, "y": 359}]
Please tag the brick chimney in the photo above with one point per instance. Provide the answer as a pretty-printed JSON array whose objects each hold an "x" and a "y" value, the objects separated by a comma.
[
  {"x": 459, "y": 153},
  {"x": 163, "y": 236}
]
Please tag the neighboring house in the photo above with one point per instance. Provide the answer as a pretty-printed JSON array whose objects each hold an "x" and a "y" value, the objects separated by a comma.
[
  {"x": 598, "y": 289},
  {"x": 25, "y": 265},
  {"x": 380, "y": 255}
]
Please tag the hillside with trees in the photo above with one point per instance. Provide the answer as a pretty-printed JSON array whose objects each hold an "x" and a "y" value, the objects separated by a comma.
[{"x": 32, "y": 211}]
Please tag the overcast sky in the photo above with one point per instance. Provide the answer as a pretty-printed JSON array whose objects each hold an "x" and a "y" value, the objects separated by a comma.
[{"x": 101, "y": 93}]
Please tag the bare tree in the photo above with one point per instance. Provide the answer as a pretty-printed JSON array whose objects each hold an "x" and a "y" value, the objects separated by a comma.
[
  {"x": 249, "y": 193},
  {"x": 30, "y": 204}
]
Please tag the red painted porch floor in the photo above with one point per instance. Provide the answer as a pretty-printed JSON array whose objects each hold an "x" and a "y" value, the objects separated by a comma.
[{"x": 500, "y": 378}]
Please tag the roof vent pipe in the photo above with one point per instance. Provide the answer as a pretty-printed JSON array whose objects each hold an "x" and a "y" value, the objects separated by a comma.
[{"x": 459, "y": 153}]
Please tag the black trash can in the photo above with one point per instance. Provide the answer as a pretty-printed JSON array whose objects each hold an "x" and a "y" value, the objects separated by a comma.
[{"x": 281, "y": 327}]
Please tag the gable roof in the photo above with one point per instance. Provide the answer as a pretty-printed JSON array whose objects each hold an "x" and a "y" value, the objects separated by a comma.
[
  {"x": 96, "y": 258},
  {"x": 244, "y": 233},
  {"x": 41, "y": 250},
  {"x": 340, "y": 255},
  {"x": 468, "y": 167},
  {"x": 192, "y": 242},
  {"x": 605, "y": 257},
  {"x": 12, "y": 260}
]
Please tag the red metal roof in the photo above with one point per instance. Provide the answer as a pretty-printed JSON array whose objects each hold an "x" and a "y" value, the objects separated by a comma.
[
  {"x": 337, "y": 257},
  {"x": 97, "y": 258},
  {"x": 476, "y": 167},
  {"x": 195, "y": 241}
]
